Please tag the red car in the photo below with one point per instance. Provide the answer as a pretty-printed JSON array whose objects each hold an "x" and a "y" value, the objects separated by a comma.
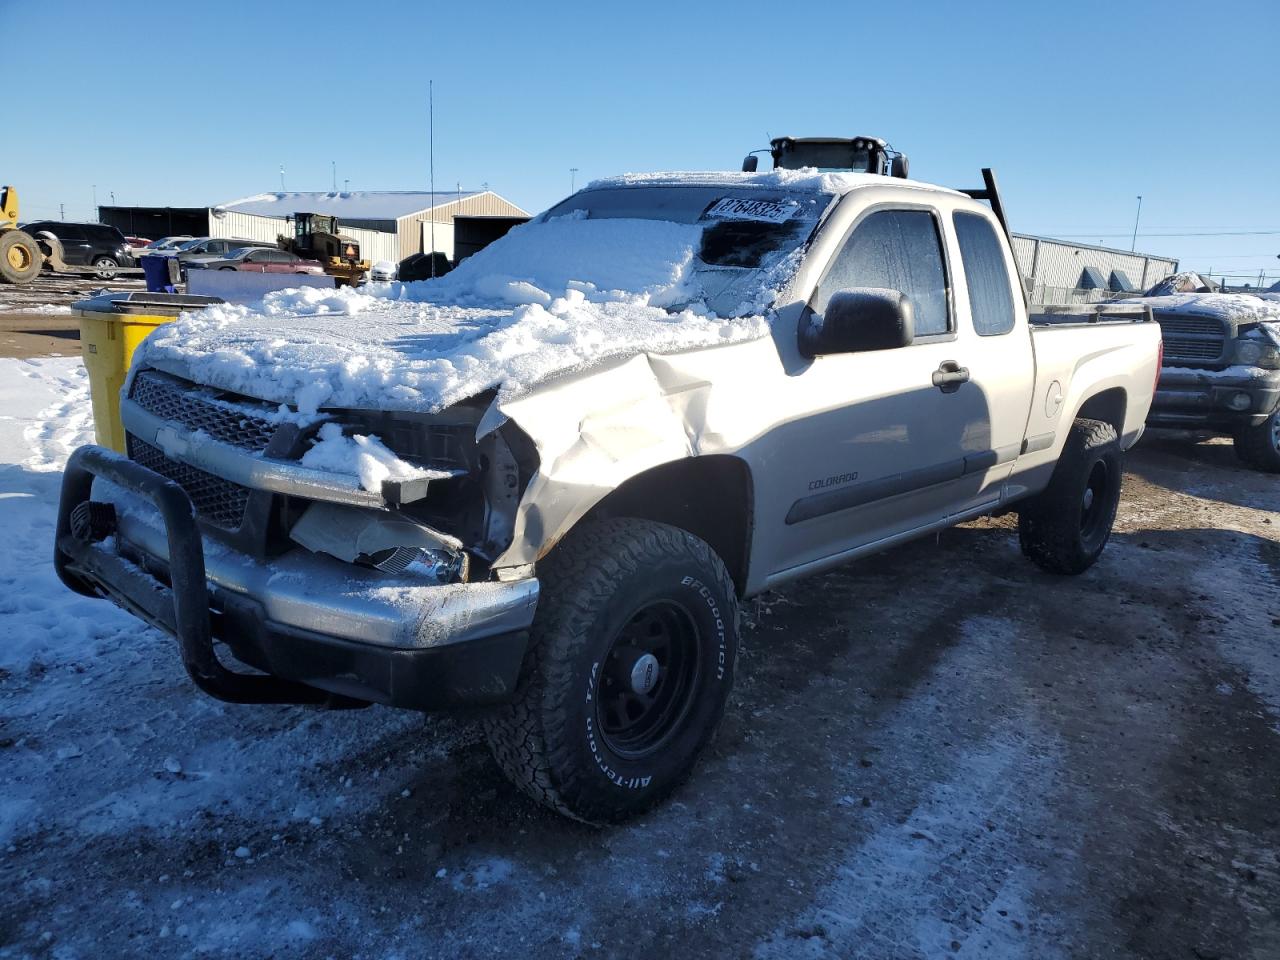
[{"x": 257, "y": 260}]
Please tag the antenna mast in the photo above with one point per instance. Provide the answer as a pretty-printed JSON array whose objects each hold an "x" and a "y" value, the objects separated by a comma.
[{"x": 431, "y": 162}]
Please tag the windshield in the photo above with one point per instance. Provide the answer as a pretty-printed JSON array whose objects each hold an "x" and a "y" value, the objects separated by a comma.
[
  {"x": 191, "y": 245},
  {"x": 744, "y": 234}
]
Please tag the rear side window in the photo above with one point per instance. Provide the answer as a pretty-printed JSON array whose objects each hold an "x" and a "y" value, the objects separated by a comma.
[
  {"x": 990, "y": 298},
  {"x": 895, "y": 250}
]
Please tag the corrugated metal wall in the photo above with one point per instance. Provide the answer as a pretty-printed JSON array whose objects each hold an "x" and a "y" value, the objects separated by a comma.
[
  {"x": 1053, "y": 268},
  {"x": 374, "y": 245},
  {"x": 482, "y": 205}
]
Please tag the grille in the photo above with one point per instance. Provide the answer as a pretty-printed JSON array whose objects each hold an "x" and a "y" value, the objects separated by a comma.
[
  {"x": 197, "y": 409},
  {"x": 217, "y": 501},
  {"x": 1192, "y": 339},
  {"x": 1183, "y": 348}
]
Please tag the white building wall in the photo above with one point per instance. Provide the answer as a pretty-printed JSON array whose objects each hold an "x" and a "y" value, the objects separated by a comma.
[
  {"x": 443, "y": 237},
  {"x": 374, "y": 245}
]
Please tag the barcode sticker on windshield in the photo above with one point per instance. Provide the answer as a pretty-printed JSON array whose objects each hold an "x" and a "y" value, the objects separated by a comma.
[{"x": 741, "y": 208}]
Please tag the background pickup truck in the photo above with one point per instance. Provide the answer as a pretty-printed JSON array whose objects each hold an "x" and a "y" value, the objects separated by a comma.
[
  {"x": 543, "y": 483},
  {"x": 1221, "y": 370}
]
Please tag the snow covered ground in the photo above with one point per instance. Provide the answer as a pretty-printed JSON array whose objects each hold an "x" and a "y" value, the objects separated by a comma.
[{"x": 939, "y": 752}]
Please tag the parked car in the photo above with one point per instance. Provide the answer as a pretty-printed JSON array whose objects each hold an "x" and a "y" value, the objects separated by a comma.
[
  {"x": 93, "y": 245},
  {"x": 547, "y": 499},
  {"x": 1221, "y": 368},
  {"x": 164, "y": 246},
  {"x": 136, "y": 242},
  {"x": 257, "y": 260},
  {"x": 381, "y": 271},
  {"x": 216, "y": 247}
]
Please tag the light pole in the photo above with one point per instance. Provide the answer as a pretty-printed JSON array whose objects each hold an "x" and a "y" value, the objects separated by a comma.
[
  {"x": 1136, "y": 217},
  {"x": 573, "y": 179}
]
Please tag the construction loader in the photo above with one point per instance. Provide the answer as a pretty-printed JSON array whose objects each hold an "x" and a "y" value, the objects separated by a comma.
[
  {"x": 316, "y": 237},
  {"x": 20, "y": 256}
]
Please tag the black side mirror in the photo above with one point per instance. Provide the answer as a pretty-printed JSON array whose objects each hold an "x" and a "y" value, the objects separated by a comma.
[
  {"x": 750, "y": 163},
  {"x": 859, "y": 320},
  {"x": 899, "y": 167}
]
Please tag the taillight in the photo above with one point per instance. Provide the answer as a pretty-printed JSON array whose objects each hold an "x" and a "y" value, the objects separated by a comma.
[{"x": 1159, "y": 362}]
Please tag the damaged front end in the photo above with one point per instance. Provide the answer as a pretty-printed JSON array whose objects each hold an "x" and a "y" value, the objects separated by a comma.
[
  {"x": 375, "y": 595},
  {"x": 244, "y": 463}
]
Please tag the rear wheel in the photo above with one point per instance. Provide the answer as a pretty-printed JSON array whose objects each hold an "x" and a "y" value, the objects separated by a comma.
[
  {"x": 104, "y": 268},
  {"x": 628, "y": 670},
  {"x": 20, "y": 257},
  {"x": 1259, "y": 446},
  {"x": 1065, "y": 528}
]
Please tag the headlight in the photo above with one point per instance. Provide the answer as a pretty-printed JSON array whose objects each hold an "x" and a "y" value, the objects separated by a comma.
[{"x": 1255, "y": 353}]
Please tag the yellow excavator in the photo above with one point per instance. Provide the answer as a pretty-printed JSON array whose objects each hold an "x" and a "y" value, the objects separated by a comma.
[{"x": 20, "y": 256}]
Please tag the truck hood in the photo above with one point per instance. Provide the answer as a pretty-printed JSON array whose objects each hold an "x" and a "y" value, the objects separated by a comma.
[
  {"x": 556, "y": 299},
  {"x": 1238, "y": 310}
]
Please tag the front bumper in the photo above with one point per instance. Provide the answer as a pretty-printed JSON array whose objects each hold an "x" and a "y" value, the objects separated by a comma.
[
  {"x": 1214, "y": 399},
  {"x": 314, "y": 625}
]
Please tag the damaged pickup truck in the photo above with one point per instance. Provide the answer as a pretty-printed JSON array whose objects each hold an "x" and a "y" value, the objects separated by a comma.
[{"x": 542, "y": 484}]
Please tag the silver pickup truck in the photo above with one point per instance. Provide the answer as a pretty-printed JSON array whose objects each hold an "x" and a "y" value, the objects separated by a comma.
[{"x": 570, "y": 554}]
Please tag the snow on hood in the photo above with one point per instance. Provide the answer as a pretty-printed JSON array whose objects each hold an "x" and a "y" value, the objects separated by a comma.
[
  {"x": 549, "y": 298},
  {"x": 1234, "y": 307}
]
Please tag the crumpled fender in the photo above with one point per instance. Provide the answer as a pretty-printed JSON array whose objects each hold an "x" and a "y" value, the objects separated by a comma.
[{"x": 643, "y": 412}]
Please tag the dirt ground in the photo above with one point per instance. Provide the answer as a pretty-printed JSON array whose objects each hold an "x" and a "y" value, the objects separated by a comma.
[
  {"x": 940, "y": 751},
  {"x": 28, "y": 326}
]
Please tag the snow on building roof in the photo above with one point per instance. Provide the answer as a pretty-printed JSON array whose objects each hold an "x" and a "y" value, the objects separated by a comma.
[{"x": 352, "y": 205}]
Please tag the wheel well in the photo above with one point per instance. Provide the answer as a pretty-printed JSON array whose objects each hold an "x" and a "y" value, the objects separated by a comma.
[
  {"x": 1108, "y": 406},
  {"x": 710, "y": 497}
]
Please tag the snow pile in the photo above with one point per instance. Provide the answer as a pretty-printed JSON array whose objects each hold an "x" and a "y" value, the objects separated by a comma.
[
  {"x": 365, "y": 457},
  {"x": 549, "y": 298}
]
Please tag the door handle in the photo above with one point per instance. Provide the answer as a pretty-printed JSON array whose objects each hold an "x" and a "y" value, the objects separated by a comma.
[{"x": 949, "y": 376}]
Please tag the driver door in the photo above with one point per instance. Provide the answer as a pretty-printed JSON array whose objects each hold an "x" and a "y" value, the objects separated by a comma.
[{"x": 885, "y": 451}]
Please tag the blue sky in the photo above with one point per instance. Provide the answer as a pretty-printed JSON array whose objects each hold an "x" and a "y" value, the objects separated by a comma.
[{"x": 1079, "y": 106}]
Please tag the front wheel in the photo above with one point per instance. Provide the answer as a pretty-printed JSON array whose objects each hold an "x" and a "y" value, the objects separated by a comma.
[
  {"x": 1064, "y": 528},
  {"x": 1259, "y": 446},
  {"x": 104, "y": 268},
  {"x": 630, "y": 662}
]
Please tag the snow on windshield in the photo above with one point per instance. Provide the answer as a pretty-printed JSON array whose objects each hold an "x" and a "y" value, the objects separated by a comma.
[{"x": 549, "y": 298}]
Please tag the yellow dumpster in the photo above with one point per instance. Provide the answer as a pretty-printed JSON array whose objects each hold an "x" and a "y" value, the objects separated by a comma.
[{"x": 111, "y": 327}]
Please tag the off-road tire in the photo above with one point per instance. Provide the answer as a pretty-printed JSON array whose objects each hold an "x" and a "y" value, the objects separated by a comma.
[
  {"x": 21, "y": 247},
  {"x": 550, "y": 740},
  {"x": 1259, "y": 446},
  {"x": 104, "y": 268},
  {"x": 1065, "y": 528}
]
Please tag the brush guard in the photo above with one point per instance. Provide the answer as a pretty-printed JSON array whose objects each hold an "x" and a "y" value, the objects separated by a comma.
[{"x": 87, "y": 564}]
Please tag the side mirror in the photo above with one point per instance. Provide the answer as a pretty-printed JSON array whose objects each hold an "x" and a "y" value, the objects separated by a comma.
[
  {"x": 750, "y": 163},
  {"x": 899, "y": 167},
  {"x": 857, "y": 321}
]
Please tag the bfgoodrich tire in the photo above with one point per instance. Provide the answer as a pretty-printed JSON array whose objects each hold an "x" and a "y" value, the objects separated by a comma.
[
  {"x": 629, "y": 667},
  {"x": 1259, "y": 446},
  {"x": 1065, "y": 528}
]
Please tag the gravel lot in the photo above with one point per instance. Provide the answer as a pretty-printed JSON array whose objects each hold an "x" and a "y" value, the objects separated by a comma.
[{"x": 940, "y": 751}]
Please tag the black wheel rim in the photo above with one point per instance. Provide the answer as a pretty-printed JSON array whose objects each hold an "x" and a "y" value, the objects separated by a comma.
[
  {"x": 660, "y": 644},
  {"x": 1094, "y": 502}
]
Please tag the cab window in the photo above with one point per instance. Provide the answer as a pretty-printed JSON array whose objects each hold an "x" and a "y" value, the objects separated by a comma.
[
  {"x": 990, "y": 297},
  {"x": 895, "y": 250}
]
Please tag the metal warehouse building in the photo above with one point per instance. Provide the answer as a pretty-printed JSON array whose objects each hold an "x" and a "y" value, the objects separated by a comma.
[
  {"x": 390, "y": 224},
  {"x": 1058, "y": 271}
]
